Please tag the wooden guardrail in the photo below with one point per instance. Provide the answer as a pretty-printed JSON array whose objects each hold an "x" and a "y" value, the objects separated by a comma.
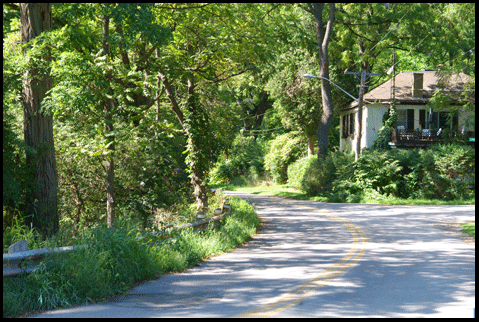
[{"x": 20, "y": 260}]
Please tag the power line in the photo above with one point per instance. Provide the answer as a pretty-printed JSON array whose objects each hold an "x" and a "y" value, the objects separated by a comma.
[
  {"x": 470, "y": 51},
  {"x": 369, "y": 50},
  {"x": 399, "y": 21},
  {"x": 415, "y": 46},
  {"x": 274, "y": 129}
]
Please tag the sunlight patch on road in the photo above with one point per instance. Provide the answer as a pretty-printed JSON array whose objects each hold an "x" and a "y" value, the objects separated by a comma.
[{"x": 301, "y": 292}]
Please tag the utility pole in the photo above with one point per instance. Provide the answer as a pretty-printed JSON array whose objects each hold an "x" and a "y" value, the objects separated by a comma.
[
  {"x": 393, "y": 88},
  {"x": 364, "y": 77}
]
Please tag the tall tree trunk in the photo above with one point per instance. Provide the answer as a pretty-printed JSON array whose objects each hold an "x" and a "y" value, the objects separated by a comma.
[
  {"x": 323, "y": 33},
  {"x": 257, "y": 114},
  {"x": 196, "y": 144},
  {"x": 108, "y": 106},
  {"x": 38, "y": 127},
  {"x": 194, "y": 123},
  {"x": 310, "y": 147},
  {"x": 110, "y": 166}
]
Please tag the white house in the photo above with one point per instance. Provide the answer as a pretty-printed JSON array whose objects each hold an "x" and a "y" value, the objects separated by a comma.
[{"x": 412, "y": 92}]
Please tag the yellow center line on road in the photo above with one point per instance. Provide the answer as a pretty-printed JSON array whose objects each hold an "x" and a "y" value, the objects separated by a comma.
[{"x": 301, "y": 292}]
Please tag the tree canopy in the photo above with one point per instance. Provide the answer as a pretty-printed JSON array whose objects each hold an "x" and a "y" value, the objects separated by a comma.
[{"x": 145, "y": 98}]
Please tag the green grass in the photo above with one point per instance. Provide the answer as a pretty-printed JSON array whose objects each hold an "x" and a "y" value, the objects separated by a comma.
[
  {"x": 371, "y": 197},
  {"x": 470, "y": 229},
  {"x": 118, "y": 261}
]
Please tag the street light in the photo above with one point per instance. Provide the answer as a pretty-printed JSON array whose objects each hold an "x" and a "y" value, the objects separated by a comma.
[{"x": 314, "y": 76}]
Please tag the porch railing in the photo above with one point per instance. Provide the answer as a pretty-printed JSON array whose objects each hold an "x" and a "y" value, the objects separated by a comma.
[{"x": 423, "y": 138}]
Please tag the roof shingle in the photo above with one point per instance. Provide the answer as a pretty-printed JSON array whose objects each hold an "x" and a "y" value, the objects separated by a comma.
[{"x": 404, "y": 86}]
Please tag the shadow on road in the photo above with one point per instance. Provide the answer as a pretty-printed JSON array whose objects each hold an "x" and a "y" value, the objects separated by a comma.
[{"x": 410, "y": 268}]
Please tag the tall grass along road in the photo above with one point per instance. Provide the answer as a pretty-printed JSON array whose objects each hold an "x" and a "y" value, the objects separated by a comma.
[{"x": 314, "y": 259}]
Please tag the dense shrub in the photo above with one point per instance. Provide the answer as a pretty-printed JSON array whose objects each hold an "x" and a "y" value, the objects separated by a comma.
[
  {"x": 449, "y": 172},
  {"x": 412, "y": 170},
  {"x": 443, "y": 172},
  {"x": 312, "y": 176},
  {"x": 379, "y": 171},
  {"x": 299, "y": 170},
  {"x": 318, "y": 177},
  {"x": 245, "y": 157},
  {"x": 149, "y": 174},
  {"x": 284, "y": 150}
]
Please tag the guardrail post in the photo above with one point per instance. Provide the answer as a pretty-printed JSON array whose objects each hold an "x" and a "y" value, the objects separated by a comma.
[{"x": 19, "y": 246}]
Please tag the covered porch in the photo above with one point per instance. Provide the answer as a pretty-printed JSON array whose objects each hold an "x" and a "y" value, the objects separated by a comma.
[{"x": 402, "y": 139}]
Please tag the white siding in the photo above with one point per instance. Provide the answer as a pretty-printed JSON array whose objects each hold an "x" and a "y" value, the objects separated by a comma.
[
  {"x": 416, "y": 109},
  {"x": 372, "y": 122}
]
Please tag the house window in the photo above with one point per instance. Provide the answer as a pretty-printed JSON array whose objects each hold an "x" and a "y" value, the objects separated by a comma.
[
  {"x": 443, "y": 120},
  {"x": 352, "y": 116},
  {"x": 417, "y": 85},
  {"x": 410, "y": 119},
  {"x": 345, "y": 125},
  {"x": 422, "y": 118},
  {"x": 348, "y": 125},
  {"x": 405, "y": 119},
  {"x": 401, "y": 121}
]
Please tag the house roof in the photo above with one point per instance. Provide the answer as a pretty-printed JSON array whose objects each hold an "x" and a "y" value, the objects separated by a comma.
[{"x": 403, "y": 88}]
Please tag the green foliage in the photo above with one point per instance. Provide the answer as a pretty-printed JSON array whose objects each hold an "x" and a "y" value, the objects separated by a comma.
[
  {"x": 11, "y": 142},
  {"x": 14, "y": 148},
  {"x": 150, "y": 175},
  {"x": 470, "y": 229},
  {"x": 188, "y": 248},
  {"x": 297, "y": 99},
  {"x": 113, "y": 262},
  {"x": 11, "y": 167},
  {"x": 444, "y": 172},
  {"x": 199, "y": 146},
  {"x": 448, "y": 172},
  {"x": 149, "y": 164},
  {"x": 283, "y": 151},
  {"x": 241, "y": 225},
  {"x": 378, "y": 171},
  {"x": 14, "y": 230},
  {"x": 117, "y": 260},
  {"x": 384, "y": 133},
  {"x": 225, "y": 120},
  {"x": 245, "y": 157},
  {"x": 302, "y": 172},
  {"x": 317, "y": 177},
  {"x": 378, "y": 30}
]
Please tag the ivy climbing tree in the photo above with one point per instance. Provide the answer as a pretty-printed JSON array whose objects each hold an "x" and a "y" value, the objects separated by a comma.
[
  {"x": 105, "y": 82},
  {"x": 42, "y": 203},
  {"x": 211, "y": 44}
]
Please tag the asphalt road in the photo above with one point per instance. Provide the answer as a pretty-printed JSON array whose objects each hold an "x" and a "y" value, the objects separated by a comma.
[{"x": 321, "y": 260}]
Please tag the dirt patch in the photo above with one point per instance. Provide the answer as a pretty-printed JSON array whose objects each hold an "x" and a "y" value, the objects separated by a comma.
[{"x": 455, "y": 228}]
